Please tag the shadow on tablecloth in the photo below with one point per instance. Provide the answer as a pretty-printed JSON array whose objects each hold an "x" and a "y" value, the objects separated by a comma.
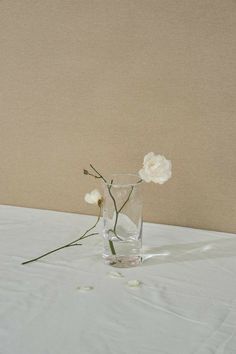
[{"x": 189, "y": 252}]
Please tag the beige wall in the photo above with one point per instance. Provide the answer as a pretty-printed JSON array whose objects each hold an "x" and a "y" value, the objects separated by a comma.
[{"x": 108, "y": 81}]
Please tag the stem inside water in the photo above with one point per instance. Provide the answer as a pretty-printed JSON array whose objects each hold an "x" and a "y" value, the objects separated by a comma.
[
  {"x": 117, "y": 211},
  {"x": 112, "y": 247}
]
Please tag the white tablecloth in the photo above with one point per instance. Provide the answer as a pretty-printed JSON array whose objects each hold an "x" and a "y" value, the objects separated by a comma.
[{"x": 186, "y": 304}]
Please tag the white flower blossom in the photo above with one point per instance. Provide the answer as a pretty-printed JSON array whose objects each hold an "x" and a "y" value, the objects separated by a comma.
[
  {"x": 93, "y": 197},
  {"x": 156, "y": 168}
]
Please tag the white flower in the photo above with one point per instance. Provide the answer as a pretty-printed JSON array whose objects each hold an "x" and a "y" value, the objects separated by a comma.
[
  {"x": 156, "y": 168},
  {"x": 93, "y": 197}
]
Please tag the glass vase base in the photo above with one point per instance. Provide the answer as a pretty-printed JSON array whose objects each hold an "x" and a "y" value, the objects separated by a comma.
[{"x": 122, "y": 261}]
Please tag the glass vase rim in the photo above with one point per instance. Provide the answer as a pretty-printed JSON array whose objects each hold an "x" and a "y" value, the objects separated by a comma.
[{"x": 122, "y": 185}]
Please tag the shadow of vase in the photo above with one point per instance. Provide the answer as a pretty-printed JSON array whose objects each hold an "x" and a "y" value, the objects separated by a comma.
[{"x": 189, "y": 252}]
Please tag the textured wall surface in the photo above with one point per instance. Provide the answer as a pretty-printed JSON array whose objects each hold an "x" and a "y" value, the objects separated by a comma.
[{"x": 108, "y": 81}]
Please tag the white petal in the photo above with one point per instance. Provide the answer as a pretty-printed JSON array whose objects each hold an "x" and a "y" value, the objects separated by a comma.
[
  {"x": 158, "y": 180},
  {"x": 96, "y": 195},
  {"x": 88, "y": 198},
  {"x": 116, "y": 275},
  {"x": 148, "y": 157},
  {"x": 93, "y": 197},
  {"x": 170, "y": 165},
  {"x": 134, "y": 283},
  {"x": 144, "y": 175},
  {"x": 162, "y": 178}
]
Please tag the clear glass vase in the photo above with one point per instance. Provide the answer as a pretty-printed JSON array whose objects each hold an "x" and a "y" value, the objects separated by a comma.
[{"x": 122, "y": 215}]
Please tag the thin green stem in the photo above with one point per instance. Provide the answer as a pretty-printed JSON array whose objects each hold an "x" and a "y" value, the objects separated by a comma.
[
  {"x": 117, "y": 211},
  {"x": 72, "y": 243},
  {"x": 90, "y": 174},
  {"x": 115, "y": 206},
  {"x": 112, "y": 247},
  {"x": 47, "y": 253},
  {"x": 126, "y": 199},
  {"x": 95, "y": 233},
  {"x": 99, "y": 174},
  {"x": 91, "y": 228},
  {"x": 117, "y": 215}
]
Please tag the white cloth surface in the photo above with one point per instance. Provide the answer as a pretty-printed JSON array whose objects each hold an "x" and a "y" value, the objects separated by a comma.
[{"x": 186, "y": 303}]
